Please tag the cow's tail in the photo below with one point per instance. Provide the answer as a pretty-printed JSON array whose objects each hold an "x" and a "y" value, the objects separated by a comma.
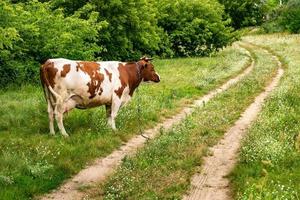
[{"x": 48, "y": 90}]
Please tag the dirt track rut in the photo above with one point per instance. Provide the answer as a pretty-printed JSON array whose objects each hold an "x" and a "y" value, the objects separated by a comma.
[
  {"x": 104, "y": 167},
  {"x": 211, "y": 183}
]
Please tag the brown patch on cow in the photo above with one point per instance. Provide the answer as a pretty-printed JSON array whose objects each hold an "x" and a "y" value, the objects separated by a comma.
[
  {"x": 108, "y": 74},
  {"x": 93, "y": 70},
  {"x": 66, "y": 69},
  {"x": 129, "y": 75},
  {"x": 135, "y": 77},
  {"x": 48, "y": 73},
  {"x": 123, "y": 78}
]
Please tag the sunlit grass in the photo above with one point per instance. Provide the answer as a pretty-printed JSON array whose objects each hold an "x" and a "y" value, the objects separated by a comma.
[
  {"x": 269, "y": 166},
  {"x": 162, "y": 170}
]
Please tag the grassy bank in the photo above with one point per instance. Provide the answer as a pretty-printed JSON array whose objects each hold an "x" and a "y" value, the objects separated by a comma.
[
  {"x": 33, "y": 162},
  {"x": 269, "y": 166},
  {"x": 162, "y": 170}
]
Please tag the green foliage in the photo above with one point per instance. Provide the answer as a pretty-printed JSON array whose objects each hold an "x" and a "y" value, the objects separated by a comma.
[
  {"x": 291, "y": 16},
  {"x": 194, "y": 27},
  {"x": 33, "y": 31},
  {"x": 245, "y": 12},
  {"x": 284, "y": 18},
  {"x": 30, "y": 33},
  {"x": 132, "y": 29}
]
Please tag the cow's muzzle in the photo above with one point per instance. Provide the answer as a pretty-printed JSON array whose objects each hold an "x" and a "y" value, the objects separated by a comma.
[{"x": 157, "y": 78}]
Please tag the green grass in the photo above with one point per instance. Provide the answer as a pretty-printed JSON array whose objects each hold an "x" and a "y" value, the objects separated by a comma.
[
  {"x": 269, "y": 166},
  {"x": 162, "y": 170},
  {"x": 32, "y": 162}
]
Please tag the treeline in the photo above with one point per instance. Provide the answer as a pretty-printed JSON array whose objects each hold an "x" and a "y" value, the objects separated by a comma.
[
  {"x": 272, "y": 15},
  {"x": 33, "y": 31},
  {"x": 283, "y": 17}
]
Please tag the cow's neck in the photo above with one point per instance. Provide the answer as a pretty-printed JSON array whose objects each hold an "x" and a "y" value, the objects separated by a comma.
[{"x": 135, "y": 77}]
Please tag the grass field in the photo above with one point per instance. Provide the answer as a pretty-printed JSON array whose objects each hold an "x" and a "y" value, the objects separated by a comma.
[
  {"x": 32, "y": 162},
  {"x": 162, "y": 170},
  {"x": 269, "y": 166}
]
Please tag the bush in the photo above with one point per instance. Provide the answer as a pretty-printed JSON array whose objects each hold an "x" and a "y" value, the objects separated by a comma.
[
  {"x": 291, "y": 16},
  {"x": 284, "y": 18},
  {"x": 245, "y": 12},
  {"x": 132, "y": 29},
  {"x": 31, "y": 33},
  {"x": 194, "y": 28}
]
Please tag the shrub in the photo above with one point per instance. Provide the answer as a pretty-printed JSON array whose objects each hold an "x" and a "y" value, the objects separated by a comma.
[
  {"x": 291, "y": 16},
  {"x": 31, "y": 33},
  {"x": 194, "y": 28},
  {"x": 284, "y": 18},
  {"x": 132, "y": 29},
  {"x": 245, "y": 12}
]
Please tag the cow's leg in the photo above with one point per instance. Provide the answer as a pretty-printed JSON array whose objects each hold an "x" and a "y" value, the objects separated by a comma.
[
  {"x": 51, "y": 118},
  {"x": 116, "y": 104},
  {"x": 59, "y": 110},
  {"x": 50, "y": 110},
  {"x": 108, "y": 113}
]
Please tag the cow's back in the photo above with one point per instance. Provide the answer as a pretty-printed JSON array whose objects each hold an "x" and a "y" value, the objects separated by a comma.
[{"x": 93, "y": 82}]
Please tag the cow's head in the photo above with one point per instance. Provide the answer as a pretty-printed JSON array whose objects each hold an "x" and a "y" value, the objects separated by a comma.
[{"x": 148, "y": 73}]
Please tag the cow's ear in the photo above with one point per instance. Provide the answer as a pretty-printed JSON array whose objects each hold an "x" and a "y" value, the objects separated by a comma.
[
  {"x": 142, "y": 65},
  {"x": 145, "y": 58}
]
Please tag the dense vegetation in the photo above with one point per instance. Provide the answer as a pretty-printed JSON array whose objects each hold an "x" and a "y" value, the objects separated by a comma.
[
  {"x": 273, "y": 15},
  {"x": 284, "y": 18},
  {"x": 32, "y": 31},
  {"x": 245, "y": 12}
]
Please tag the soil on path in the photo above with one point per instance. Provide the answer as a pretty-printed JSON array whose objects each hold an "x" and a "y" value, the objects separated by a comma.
[
  {"x": 211, "y": 183},
  {"x": 73, "y": 189}
]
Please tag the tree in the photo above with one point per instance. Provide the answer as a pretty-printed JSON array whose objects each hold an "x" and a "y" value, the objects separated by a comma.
[
  {"x": 290, "y": 18},
  {"x": 194, "y": 28},
  {"x": 245, "y": 12},
  {"x": 132, "y": 28},
  {"x": 32, "y": 32}
]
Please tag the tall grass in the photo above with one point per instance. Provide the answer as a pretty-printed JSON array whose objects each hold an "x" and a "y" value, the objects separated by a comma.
[{"x": 269, "y": 166}]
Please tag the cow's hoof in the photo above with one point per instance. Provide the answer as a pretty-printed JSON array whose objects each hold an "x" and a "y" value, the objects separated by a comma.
[
  {"x": 65, "y": 135},
  {"x": 52, "y": 133},
  {"x": 114, "y": 129}
]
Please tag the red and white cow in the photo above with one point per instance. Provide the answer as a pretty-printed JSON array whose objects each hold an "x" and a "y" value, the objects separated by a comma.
[{"x": 72, "y": 84}]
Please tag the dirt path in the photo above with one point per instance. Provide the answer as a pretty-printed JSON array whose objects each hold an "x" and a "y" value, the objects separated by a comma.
[
  {"x": 211, "y": 183},
  {"x": 103, "y": 167}
]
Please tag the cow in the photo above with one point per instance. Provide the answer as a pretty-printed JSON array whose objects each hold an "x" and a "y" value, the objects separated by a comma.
[{"x": 72, "y": 84}]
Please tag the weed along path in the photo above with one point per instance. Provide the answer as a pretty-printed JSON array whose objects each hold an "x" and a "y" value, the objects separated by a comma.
[
  {"x": 211, "y": 183},
  {"x": 103, "y": 167}
]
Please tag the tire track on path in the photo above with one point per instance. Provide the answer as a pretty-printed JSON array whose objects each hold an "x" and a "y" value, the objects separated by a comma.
[
  {"x": 103, "y": 167},
  {"x": 212, "y": 183}
]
